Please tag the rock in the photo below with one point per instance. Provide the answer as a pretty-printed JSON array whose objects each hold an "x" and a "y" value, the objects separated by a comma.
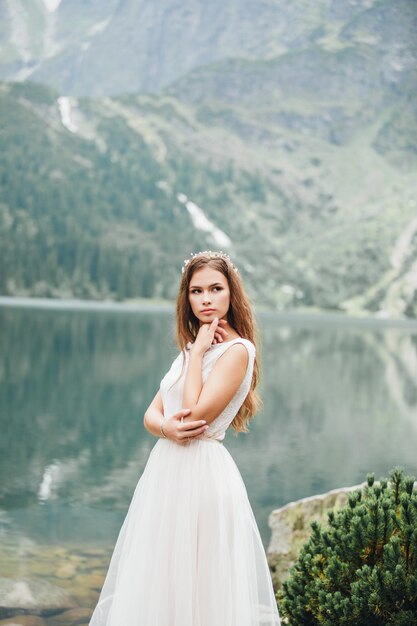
[
  {"x": 73, "y": 617},
  {"x": 66, "y": 570},
  {"x": 91, "y": 580},
  {"x": 23, "y": 620},
  {"x": 290, "y": 527},
  {"x": 35, "y": 595},
  {"x": 41, "y": 568}
]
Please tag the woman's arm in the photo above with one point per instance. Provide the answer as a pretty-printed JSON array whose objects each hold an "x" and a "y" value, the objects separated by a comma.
[
  {"x": 174, "y": 427},
  {"x": 154, "y": 415},
  {"x": 209, "y": 400}
]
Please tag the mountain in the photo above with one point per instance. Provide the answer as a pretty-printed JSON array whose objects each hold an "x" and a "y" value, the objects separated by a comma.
[
  {"x": 107, "y": 47},
  {"x": 296, "y": 153}
]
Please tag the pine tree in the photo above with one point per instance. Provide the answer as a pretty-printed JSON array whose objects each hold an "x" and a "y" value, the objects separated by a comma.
[{"x": 361, "y": 569}]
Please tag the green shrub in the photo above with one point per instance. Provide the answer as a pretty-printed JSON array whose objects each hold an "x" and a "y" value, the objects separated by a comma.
[{"x": 361, "y": 569}]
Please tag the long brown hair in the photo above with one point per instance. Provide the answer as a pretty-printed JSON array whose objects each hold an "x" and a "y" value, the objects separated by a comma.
[{"x": 239, "y": 316}]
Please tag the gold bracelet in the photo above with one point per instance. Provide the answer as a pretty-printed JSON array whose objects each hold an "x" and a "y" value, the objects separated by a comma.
[{"x": 162, "y": 428}]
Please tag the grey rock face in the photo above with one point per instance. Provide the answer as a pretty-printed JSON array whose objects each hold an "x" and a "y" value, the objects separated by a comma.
[{"x": 290, "y": 527}]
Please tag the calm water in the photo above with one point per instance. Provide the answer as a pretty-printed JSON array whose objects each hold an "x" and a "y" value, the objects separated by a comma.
[{"x": 340, "y": 399}]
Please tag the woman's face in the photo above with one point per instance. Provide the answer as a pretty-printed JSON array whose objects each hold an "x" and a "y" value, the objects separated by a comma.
[{"x": 209, "y": 290}]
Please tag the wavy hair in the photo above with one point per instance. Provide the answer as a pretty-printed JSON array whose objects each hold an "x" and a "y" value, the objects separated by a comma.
[{"x": 239, "y": 316}]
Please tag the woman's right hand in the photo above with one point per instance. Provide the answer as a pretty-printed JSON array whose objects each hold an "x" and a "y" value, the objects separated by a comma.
[{"x": 181, "y": 432}]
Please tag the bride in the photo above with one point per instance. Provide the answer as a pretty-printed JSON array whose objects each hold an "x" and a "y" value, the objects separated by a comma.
[{"x": 189, "y": 552}]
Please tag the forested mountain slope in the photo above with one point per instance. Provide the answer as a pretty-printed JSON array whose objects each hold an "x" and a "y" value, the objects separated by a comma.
[{"x": 105, "y": 198}]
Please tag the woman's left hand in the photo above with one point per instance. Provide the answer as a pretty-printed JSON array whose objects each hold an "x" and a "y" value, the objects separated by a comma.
[{"x": 220, "y": 333}]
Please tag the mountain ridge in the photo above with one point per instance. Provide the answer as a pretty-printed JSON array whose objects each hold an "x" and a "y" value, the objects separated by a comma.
[{"x": 136, "y": 46}]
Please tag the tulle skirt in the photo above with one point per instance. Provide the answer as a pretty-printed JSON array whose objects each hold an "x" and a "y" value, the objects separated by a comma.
[{"x": 189, "y": 552}]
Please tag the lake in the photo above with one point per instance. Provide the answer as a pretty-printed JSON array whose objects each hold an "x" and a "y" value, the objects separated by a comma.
[{"x": 340, "y": 400}]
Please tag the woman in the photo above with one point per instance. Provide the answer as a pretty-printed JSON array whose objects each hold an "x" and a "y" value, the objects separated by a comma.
[{"x": 189, "y": 552}]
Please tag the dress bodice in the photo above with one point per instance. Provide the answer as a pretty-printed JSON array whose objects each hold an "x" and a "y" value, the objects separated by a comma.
[{"x": 172, "y": 385}]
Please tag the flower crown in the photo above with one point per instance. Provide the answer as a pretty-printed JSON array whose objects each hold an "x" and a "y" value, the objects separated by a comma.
[{"x": 213, "y": 255}]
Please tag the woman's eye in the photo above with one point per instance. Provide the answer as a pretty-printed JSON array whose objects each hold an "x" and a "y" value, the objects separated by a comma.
[{"x": 198, "y": 290}]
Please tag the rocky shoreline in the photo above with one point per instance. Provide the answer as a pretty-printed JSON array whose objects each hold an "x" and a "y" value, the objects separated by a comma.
[{"x": 50, "y": 585}]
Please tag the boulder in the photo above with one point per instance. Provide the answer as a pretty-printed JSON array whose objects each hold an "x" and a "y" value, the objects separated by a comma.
[
  {"x": 290, "y": 526},
  {"x": 33, "y": 595}
]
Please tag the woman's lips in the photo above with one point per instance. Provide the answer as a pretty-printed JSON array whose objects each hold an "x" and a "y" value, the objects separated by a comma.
[{"x": 207, "y": 311}]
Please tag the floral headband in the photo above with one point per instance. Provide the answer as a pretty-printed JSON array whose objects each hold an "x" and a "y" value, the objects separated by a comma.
[{"x": 212, "y": 255}]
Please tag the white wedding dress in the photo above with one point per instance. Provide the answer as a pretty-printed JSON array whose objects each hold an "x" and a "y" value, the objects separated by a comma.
[{"x": 189, "y": 552}]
